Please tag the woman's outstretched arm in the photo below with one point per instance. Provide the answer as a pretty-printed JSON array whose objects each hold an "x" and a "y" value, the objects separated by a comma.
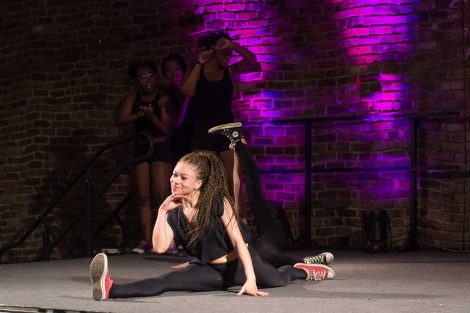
[{"x": 235, "y": 235}]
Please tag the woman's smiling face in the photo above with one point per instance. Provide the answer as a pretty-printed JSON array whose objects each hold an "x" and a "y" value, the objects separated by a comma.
[{"x": 184, "y": 179}]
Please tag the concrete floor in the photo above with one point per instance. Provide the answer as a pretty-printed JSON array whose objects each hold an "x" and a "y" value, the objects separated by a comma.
[{"x": 423, "y": 281}]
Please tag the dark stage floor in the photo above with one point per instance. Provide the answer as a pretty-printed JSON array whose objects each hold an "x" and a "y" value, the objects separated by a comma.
[{"x": 423, "y": 281}]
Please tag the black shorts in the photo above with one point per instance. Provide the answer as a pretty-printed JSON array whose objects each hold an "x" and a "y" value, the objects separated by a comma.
[
  {"x": 202, "y": 140},
  {"x": 161, "y": 151},
  {"x": 180, "y": 144}
]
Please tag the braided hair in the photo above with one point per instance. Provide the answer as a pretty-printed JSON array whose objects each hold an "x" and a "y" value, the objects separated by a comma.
[{"x": 211, "y": 172}]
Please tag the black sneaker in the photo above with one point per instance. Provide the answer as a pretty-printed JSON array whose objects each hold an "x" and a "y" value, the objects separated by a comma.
[
  {"x": 232, "y": 131},
  {"x": 323, "y": 258}
]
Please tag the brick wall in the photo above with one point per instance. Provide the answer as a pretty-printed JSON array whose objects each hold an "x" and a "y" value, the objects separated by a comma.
[
  {"x": 441, "y": 87},
  {"x": 64, "y": 71},
  {"x": 64, "y": 74}
]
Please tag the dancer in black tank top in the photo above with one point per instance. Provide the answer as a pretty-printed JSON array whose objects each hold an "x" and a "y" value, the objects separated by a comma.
[
  {"x": 145, "y": 109},
  {"x": 210, "y": 84},
  {"x": 200, "y": 215}
]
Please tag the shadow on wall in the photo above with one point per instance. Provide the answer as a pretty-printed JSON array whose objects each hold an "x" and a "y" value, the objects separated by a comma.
[
  {"x": 354, "y": 59},
  {"x": 68, "y": 156}
]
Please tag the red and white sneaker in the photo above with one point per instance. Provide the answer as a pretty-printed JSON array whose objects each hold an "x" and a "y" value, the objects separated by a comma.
[
  {"x": 100, "y": 281},
  {"x": 316, "y": 271}
]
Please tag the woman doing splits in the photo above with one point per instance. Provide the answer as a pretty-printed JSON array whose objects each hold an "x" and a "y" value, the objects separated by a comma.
[{"x": 200, "y": 214}]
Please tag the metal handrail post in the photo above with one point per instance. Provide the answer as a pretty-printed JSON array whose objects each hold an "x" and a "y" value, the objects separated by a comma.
[
  {"x": 40, "y": 219},
  {"x": 89, "y": 210},
  {"x": 46, "y": 242},
  {"x": 308, "y": 182},
  {"x": 412, "y": 243}
]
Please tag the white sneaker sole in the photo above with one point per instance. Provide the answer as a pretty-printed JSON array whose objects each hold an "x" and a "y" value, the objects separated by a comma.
[
  {"x": 224, "y": 126},
  {"x": 98, "y": 270}
]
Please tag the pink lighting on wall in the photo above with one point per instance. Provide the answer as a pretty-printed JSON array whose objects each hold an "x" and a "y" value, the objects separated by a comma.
[
  {"x": 256, "y": 76},
  {"x": 246, "y": 20},
  {"x": 376, "y": 36},
  {"x": 392, "y": 94}
]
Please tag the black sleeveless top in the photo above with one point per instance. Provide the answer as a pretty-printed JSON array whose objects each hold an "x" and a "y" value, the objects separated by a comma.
[
  {"x": 143, "y": 124},
  {"x": 215, "y": 241},
  {"x": 212, "y": 102}
]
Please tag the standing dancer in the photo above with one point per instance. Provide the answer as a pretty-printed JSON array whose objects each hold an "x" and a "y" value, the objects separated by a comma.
[
  {"x": 200, "y": 214},
  {"x": 210, "y": 84},
  {"x": 146, "y": 110}
]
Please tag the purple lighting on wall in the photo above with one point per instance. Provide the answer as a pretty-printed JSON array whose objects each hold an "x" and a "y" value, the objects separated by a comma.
[
  {"x": 248, "y": 21},
  {"x": 378, "y": 38},
  {"x": 378, "y": 35},
  {"x": 391, "y": 95}
]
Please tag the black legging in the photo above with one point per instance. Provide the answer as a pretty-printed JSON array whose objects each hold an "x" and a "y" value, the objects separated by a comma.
[
  {"x": 266, "y": 258},
  {"x": 197, "y": 277},
  {"x": 271, "y": 240}
]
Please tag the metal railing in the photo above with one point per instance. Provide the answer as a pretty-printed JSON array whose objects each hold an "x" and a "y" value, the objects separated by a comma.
[
  {"x": 413, "y": 168},
  {"x": 310, "y": 169},
  {"x": 93, "y": 194}
]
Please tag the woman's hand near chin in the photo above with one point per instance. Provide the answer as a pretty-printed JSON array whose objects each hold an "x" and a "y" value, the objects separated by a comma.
[{"x": 172, "y": 201}]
